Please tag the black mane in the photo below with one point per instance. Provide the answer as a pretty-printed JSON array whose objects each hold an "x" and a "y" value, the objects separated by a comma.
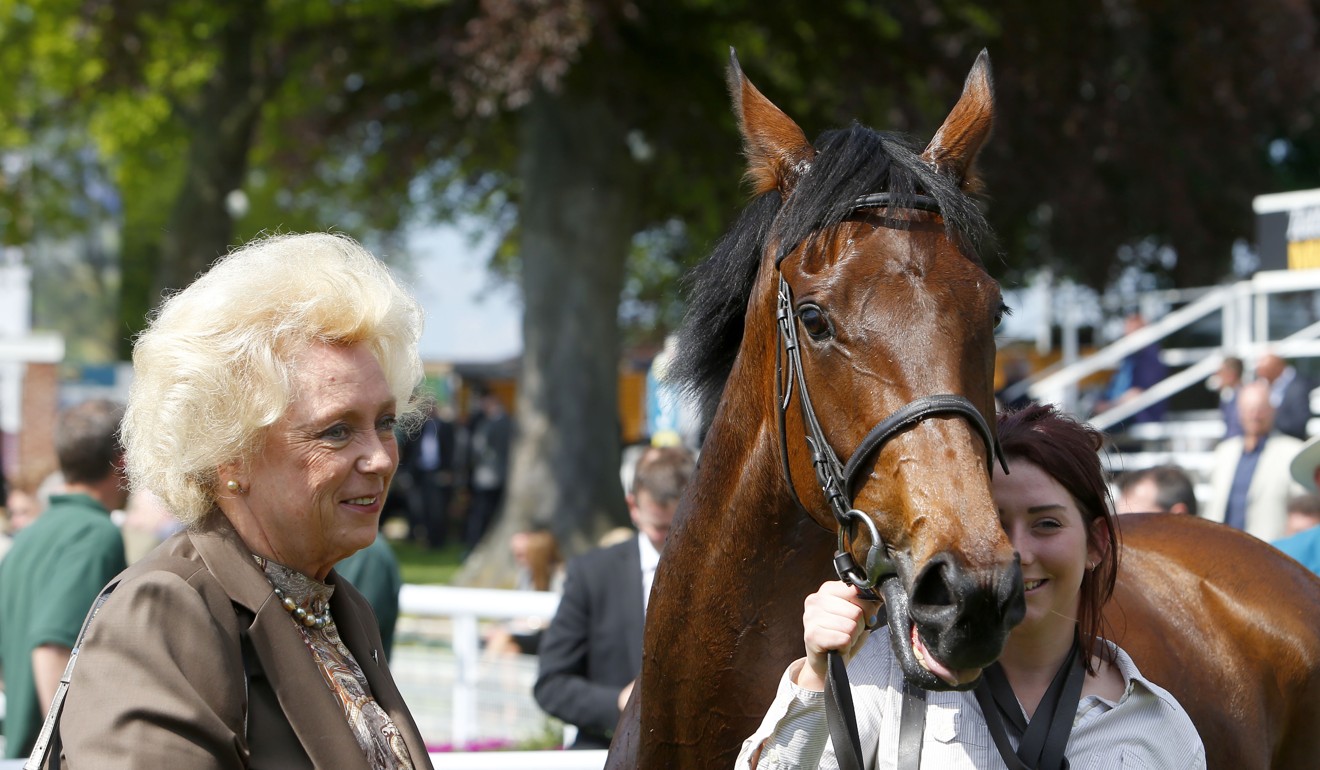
[{"x": 849, "y": 163}]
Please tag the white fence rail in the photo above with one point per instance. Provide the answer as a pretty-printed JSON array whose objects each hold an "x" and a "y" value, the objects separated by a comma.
[
  {"x": 521, "y": 760},
  {"x": 466, "y": 607}
]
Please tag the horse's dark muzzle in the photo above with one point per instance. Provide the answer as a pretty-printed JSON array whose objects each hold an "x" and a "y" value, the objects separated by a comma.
[{"x": 964, "y": 617}]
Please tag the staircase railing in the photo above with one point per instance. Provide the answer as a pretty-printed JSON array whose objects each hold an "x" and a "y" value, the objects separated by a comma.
[{"x": 1245, "y": 332}]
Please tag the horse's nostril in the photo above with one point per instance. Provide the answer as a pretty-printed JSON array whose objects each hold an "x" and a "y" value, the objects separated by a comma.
[{"x": 932, "y": 588}]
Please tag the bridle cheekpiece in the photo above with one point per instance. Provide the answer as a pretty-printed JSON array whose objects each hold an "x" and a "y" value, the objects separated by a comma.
[{"x": 839, "y": 481}]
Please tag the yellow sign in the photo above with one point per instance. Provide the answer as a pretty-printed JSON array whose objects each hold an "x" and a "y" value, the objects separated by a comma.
[{"x": 1304, "y": 255}]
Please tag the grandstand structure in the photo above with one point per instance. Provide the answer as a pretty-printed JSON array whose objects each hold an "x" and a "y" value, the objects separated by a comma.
[{"x": 1276, "y": 311}]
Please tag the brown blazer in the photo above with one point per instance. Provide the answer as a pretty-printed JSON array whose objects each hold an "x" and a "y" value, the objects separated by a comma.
[{"x": 160, "y": 680}]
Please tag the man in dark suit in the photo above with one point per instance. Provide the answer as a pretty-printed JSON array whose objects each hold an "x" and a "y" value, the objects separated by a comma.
[
  {"x": 1290, "y": 394},
  {"x": 592, "y": 651},
  {"x": 489, "y": 444},
  {"x": 428, "y": 460}
]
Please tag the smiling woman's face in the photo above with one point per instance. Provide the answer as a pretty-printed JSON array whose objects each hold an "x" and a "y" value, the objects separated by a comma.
[
  {"x": 314, "y": 493},
  {"x": 1048, "y": 532}
]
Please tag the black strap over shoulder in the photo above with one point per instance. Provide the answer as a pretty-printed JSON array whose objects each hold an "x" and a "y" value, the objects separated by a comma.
[{"x": 1043, "y": 739}]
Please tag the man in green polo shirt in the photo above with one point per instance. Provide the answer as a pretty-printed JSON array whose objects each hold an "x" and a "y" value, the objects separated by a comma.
[
  {"x": 375, "y": 572},
  {"x": 57, "y": 566}
]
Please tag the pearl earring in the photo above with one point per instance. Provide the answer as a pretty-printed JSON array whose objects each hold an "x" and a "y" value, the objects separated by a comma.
[{"x": 233, "y": 486}]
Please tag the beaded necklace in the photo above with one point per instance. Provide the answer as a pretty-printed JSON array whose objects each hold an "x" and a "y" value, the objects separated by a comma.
[
  {"x": 310, "y": 617},
  {"x": 313, "y": 612}
]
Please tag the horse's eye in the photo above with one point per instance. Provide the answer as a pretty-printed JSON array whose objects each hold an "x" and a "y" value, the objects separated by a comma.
[
  {"x": 815, "y": 322},
  {"x": 1000, "y": 312}
]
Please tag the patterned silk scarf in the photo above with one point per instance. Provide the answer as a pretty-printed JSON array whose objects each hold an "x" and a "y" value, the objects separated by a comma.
[{"x": 376, "y": 733}]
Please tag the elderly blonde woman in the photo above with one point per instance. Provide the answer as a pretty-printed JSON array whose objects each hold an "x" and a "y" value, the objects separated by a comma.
[{"x": 262, "y": 411}]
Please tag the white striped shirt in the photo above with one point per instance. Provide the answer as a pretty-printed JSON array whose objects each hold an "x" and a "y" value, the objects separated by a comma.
[{"x": 1146, "y": 728}]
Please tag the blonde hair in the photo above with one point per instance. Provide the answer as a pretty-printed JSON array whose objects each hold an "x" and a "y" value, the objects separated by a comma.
[{"x": 214, "y": 368}]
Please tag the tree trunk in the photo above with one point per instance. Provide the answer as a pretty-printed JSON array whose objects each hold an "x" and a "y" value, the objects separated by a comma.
[
  {"x": 577, "y": 214},
  {"x": 223, "y": 124}
]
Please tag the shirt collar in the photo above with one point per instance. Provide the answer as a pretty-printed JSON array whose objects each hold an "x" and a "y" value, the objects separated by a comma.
[
  {"x": 79, "y": 499},
  {"x": 650, "y": 556}
]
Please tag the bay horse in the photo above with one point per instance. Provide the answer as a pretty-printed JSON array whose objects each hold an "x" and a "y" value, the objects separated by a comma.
[
  {"x": 869, "y": 244},
  {"x": 870, "y": 247},
  {"x": 1231, "y": 627}
]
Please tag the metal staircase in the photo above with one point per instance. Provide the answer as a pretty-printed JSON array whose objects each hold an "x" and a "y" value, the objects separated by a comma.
[{"x": 1274, "y": 311}]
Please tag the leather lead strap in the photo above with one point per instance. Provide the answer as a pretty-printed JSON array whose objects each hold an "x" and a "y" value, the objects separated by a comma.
[
  {"x": 911, "y": 727},
  {"x": 1044, "y": 739},
  {"x": 840, "y": 716},
  {"x": 841, "y": 719}
]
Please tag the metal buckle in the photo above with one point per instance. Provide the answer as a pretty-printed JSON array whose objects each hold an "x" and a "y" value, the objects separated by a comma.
[{"x": 878, "y": 565}]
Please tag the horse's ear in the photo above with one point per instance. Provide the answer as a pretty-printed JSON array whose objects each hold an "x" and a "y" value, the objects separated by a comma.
[
  {"x": 953, "y": 149},
  {"x": 777, "y": 150}
]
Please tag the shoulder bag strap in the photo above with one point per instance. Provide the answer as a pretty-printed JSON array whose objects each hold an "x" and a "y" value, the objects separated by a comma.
[
  {"x": 1045, "y": 737},
  {"x": 48, "y": 740}
]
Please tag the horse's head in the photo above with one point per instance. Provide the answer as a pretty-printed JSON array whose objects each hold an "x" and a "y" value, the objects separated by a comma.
[{"x": 885, "y": 309}]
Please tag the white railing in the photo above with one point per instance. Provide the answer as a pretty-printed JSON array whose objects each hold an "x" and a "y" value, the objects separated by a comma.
[
  {"x": 1245, "y": 332},
  {"x": 466, "y": 607}
]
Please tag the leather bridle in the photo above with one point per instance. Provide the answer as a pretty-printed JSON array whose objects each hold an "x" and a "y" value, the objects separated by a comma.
[{"x": 838, "y": 480}]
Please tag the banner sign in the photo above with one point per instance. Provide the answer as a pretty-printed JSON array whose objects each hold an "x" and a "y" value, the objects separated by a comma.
[{"x": 1288, "y": 230}]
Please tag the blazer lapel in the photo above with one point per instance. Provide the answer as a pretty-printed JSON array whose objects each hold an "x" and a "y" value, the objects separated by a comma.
[{"x": 314, "y": 714}]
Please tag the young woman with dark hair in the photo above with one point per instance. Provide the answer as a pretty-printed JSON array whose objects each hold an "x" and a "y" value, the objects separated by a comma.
[{"x": 1059, "y": 696}]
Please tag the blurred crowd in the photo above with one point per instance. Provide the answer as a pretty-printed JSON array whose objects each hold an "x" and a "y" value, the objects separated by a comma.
[{"x": 452, "y": 474}]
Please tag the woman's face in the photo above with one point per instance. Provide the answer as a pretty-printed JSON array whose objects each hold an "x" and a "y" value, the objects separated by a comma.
[
  {"x": 316, "y": 488},
  {"x": 1048, "y": 532}
]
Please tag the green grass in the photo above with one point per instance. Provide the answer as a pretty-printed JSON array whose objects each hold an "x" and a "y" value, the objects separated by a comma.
[{"x": 422, "y": 566}]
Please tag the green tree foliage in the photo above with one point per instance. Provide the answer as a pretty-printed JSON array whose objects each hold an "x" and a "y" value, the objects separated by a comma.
[{"x": 188, "y": 102}]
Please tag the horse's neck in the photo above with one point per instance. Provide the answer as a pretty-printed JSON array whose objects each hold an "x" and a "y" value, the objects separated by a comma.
[
  {"x": 741, "y": 538},
  {"x": 739, "y": 487},
  {"x": 725, "y": 614}
]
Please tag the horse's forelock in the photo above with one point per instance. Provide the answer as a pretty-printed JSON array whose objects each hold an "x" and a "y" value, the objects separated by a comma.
[
  {"x": 849, "y": 163},
  {"x": 857, "y": 161}
]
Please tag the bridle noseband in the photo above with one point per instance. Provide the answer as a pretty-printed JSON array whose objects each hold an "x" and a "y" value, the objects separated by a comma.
[{"x": 838, "y": 480}]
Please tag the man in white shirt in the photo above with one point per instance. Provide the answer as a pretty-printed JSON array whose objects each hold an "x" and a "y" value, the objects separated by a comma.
[{"x": 591, "y": 653}]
